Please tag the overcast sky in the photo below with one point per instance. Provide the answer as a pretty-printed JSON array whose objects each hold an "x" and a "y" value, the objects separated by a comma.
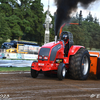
[{"x": 94, "y": 8}]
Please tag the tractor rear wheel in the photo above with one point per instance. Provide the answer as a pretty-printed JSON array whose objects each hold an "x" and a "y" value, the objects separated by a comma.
[
  {"x": 61, "y": 72},
  {"x": 34, "y": 73},
  {"x": 79, "y": 65}
]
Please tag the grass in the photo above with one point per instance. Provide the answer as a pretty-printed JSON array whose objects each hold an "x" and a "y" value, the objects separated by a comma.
[{"x": 6, "y": 69}]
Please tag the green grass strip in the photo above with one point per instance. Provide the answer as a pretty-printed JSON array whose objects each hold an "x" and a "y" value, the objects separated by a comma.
[{"x": 7, "y": 69}]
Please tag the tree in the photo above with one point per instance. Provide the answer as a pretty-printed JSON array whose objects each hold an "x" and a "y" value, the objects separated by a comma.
[
  {"x": 93, "y": 31},
  {"x": 5, "y": 32},
  {"x": 32, "y": 20},
  {"x": 24, "y": 19},
  {"x": 14, "y": 24},
  {"x": 89, "y": 17},
  {"x": 5, "y": 8},
  {"x": 96, "y": 21},
  {"x": 37, "y": 32},
  {"x": 78, "y": 34},
  {"x": 23, "y": 12}
]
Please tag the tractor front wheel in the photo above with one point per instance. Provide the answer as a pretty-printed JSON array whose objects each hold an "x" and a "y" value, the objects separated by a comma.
[
  {"x": 79, "y": 65},
  {"x": 34, "y": 73},
  {"x": 61, "y": 72}
]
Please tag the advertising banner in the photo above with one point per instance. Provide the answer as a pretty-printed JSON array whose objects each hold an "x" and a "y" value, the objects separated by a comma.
[{"x": 2, "y": 55}]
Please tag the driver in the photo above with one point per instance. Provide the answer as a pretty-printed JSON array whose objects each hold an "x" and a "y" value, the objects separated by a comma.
[
  {"x": 66, "y": 41},
  {"x": 65, "y": 38}
]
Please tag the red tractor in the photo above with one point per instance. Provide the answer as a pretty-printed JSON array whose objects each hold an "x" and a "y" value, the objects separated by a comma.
[{"x": 61, "y": 57}]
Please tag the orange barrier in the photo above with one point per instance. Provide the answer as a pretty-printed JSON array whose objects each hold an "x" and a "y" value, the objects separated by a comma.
[{"x": 93, "y": 62}]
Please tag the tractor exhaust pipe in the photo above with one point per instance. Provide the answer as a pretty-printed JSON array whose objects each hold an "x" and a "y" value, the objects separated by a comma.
[
  {"x": 80, "y": 17},
  {"x": 55, "y": 38},
  {"x": 55, "y": 15}
]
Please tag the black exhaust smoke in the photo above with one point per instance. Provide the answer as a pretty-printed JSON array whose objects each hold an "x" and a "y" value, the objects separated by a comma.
[{"x": 65, "y": 8}]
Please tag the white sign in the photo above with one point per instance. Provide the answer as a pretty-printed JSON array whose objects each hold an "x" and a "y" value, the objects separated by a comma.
[{"x": 30, "y": 56}]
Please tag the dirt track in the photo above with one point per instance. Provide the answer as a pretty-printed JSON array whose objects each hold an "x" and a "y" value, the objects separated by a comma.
[{"x": 20, "y": 86}]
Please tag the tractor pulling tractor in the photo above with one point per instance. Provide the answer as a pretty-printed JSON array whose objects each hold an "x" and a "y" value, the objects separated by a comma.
[{"x": 54, "y": 58}]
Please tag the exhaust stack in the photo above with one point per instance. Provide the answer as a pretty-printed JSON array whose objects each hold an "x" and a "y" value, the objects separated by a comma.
[
  {"x": 55, "y": 15},
  {"x": 55, "y": 38}
]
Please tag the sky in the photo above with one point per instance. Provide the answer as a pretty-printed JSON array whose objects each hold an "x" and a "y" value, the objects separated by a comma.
[
  {"x": 52, "y": 5},
  {"x": 94, "y": 8}
]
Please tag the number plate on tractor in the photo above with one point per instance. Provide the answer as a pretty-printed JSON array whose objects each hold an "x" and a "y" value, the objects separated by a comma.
[{"x": 40, "y": 64}]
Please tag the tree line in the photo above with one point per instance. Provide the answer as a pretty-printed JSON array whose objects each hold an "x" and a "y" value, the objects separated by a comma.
[
  {"x": 21, "y": 20},
  {"x": 86, "y": 34},
  {"x": 24, "y": 20}
]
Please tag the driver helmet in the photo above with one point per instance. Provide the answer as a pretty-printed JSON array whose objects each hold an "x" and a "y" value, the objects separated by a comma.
[{"x": 65, "y": 37}]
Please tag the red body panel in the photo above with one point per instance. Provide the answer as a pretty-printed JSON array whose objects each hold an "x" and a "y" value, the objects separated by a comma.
[
  {"x": 44, "y": 66},
  {"x": 74, "y": 49},
  {"x": 52, "y": 65}
]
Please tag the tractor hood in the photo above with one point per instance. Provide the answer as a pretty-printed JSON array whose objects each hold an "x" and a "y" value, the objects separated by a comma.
[
  {"x": 49, "y": 45},
  {"x": 49, "y": 51}
]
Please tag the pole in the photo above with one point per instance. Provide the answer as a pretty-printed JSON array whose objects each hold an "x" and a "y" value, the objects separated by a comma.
[{"x": 47, "y": 21}]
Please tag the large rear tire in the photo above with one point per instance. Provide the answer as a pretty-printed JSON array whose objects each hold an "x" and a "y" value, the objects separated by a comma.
[
  {"x": 34, "y": 73},
  {"x": 79, "y": 65},
  {"x": 61, "y": 72}
]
